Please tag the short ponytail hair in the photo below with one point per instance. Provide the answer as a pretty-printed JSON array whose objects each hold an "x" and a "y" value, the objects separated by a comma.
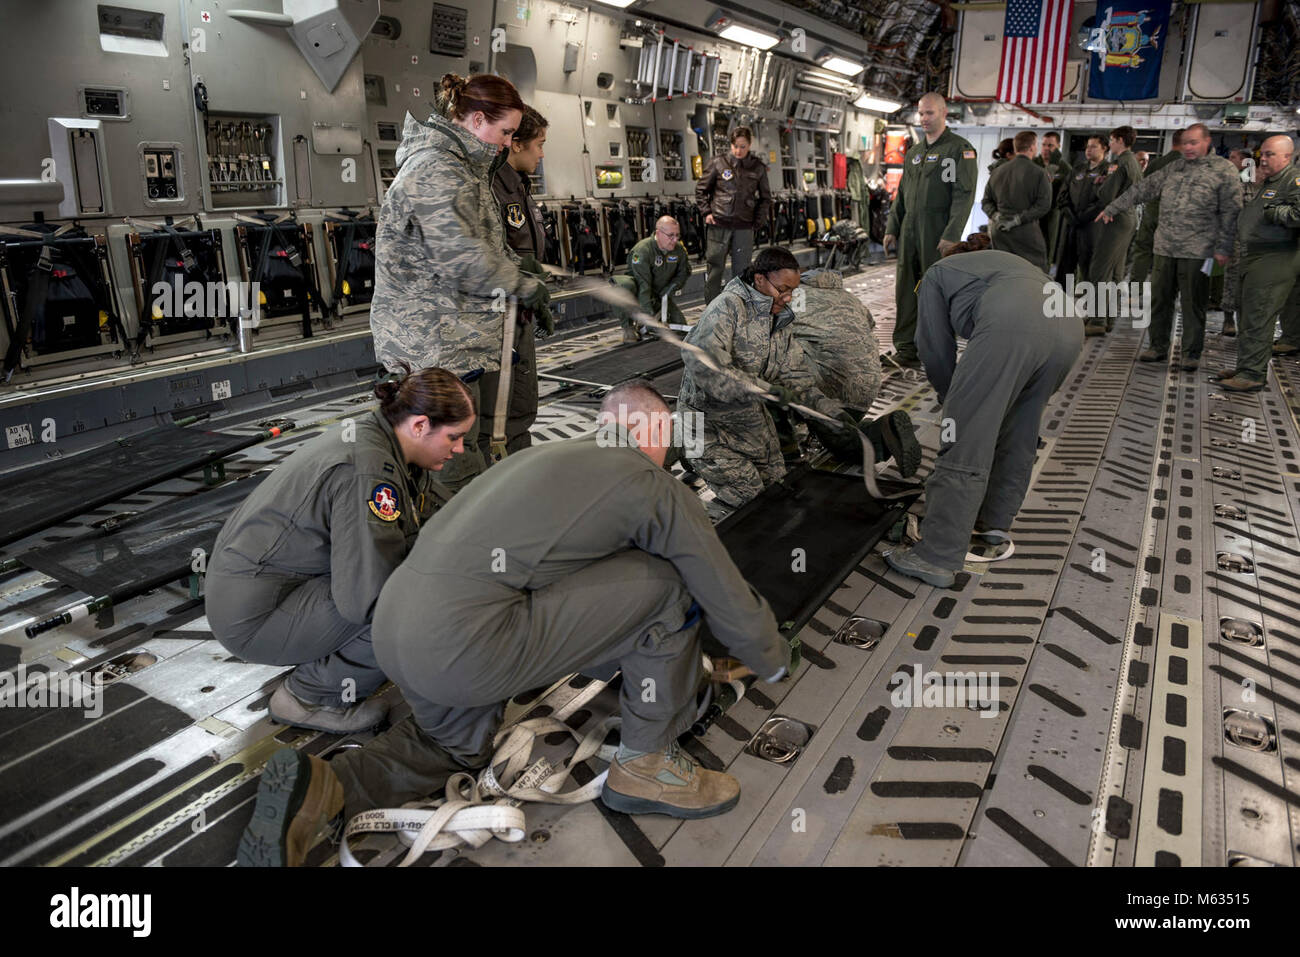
[
  {"x": 435, "y": 393},
  {"x": 493, "y": 96}
]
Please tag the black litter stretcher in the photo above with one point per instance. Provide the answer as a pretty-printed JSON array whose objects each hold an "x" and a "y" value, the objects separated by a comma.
[
  {"x": 632, "y": 361},
  {"x": 138, "y": 554},
  {"x": 41, "y": 496},
  {"x": 834, "y": 523}
]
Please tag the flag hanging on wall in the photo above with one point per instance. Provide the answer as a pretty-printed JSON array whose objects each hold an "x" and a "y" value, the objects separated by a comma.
[
  {"x": 1035, "y": 40},
  {"x": 1127, "y": 41}
]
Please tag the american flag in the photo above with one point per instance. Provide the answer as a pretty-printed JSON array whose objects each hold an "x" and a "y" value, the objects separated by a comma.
[{"x": 1034, "y": 45}]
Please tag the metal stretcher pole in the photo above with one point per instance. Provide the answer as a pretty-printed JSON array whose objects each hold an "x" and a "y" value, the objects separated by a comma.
[{"x": 624, "y": 300}]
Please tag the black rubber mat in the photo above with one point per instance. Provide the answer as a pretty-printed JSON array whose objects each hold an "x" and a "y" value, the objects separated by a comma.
[
  {"x": 84, "y": 803},
  {"x": 44, "y": 495},
  {"x": 71, "y": 759},
  {"x": 822, "y": 522},
  {"x": 146, "y": 550},
  {"x": 124, "y": 810}
]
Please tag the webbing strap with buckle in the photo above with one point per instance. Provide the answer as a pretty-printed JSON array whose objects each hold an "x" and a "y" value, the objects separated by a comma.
[
  {"x": 474, "y": 811},
  {"x": 497, "y": 448}
]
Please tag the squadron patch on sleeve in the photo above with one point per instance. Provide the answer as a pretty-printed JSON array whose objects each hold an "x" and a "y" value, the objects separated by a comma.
[
  {"x": 384, "y": 503},
  {"x": 968, "y": 154},
  {"x": 636, "y": 257},
  {"x": 515, "y": 215},
  {"x": 1297, "y": 180}
]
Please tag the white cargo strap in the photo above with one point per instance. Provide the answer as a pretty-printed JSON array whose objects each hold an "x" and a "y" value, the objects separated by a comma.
[
  {"x": 474, "y": 812},
  {"x": 663, "y": 310},
  {"x": 500, "y": 413},
  {"x": 1003, "y": 537}
]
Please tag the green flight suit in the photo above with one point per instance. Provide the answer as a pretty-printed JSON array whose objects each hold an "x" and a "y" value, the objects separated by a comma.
[
  {"x": 499, "y": 596},
  {"x": 652, "y": 273},
  {"x": 1018, "y": 195},
  {"x": 296, "y": 570},
  {"x": 1059, "y": 169},
  {"x": 934, "y": 201},
  {"x": 1111, "y": 253},
  {"x": 1268, "y": 228}
]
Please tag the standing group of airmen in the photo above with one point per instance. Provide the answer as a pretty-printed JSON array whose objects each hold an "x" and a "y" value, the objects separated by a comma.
[{"x": 370, "y": 554}]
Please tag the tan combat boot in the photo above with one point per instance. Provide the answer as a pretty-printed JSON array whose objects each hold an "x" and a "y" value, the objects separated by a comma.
[
  {"x": 668, "y": 782},
  {"x": 298, "y": 793},
  {"x": 630, "y": 334}
]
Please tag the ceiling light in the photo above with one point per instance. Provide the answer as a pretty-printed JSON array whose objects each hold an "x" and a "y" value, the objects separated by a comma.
[
  {"x": 841, "y": 65},
  {"x": 622, "y": 4},
  {"x": 880, "y": 105},
  {"x": 749, "y": 36}
]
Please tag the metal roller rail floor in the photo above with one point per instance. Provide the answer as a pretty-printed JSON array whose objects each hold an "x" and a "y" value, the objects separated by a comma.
[{"x": 1135, "y": 668}]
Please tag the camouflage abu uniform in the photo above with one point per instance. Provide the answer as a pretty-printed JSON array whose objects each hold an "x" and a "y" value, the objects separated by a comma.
[
  {"x": 834, "y": 329},
  {"x": 741, "y": 451},
  {"x": 441, "y": 264},
  {"x": 1200, "y": 201}
]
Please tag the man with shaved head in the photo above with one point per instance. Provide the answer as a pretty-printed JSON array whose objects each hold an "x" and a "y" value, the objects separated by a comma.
[
  {"x": 1268, "y": 231},
  {"x": 1200, "y": 200},
  {"x": 657, "y": 266},
  {"x": 929, "y": 214}
]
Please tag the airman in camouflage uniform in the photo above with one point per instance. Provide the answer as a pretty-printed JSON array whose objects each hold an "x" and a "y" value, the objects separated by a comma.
[
  {"x": 750, "y": 334},
  {"x": 1141, "y": 255},
  {"x": 834, "y": 329},
  {"x": 1200, "y": 200},
  {"x": 442, "y": 267}
]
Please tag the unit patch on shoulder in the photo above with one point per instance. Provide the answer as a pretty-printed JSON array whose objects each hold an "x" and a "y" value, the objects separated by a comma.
[
  {"x": 636, "y": 257},
  {"x": 515, "y": 215},
  {"x": 727, "y": 174},
  {"x": 384, "y": 502},
  {"x": 968, "y": 154},
  {"x": 1297, "y": 180}
]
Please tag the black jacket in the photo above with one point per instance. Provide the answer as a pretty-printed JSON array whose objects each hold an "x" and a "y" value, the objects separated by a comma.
[
  {"x": 735, "y": 191},
  {"x": 523, "y": 217}
]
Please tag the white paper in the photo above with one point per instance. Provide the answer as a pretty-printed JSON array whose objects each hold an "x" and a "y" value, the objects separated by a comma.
[{"x": 1207, "y": 267}]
